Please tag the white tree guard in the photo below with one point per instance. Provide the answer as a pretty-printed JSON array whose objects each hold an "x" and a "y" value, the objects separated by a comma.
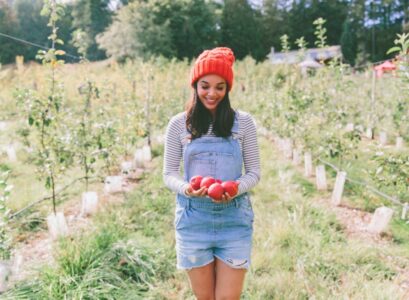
[
  {"x": 359, "y": 127},
  {"x": 142, "y": 156},
  {"x": 279, "y": 142},
  {"x": 5, "y": 273},
  {"x": 11, "y": 153},
  {"x": 129, "y": 171},
  {"x": 57, "y": 226},
  {"x": 349, "y": 127},
  {"x": 89, "y": 203},
  {"x": 383, "y": 138},
  {"x": 262, "y": 131},
  {"x": 139, "y": 158},
  {"x": 380, "y": 219},
  {"x": 405, "y": 209},
  {"x": 307, "y": 164},
  {"x": 147, "y": 153},
  {"x": 321, "y": 178},
  {"x": 18, "y": 260},
  {"x": 399, "y": 142},
  {"x": 160, "y": 139},
  {"x": 288, "y": 148},
  {"x": 369, "y": 133},
  {"x": 114, "y": 184},
  {"x": 338, "y": 188},
  {"x": 296, "y": 157},
  {"x": 3, "y": 126}
]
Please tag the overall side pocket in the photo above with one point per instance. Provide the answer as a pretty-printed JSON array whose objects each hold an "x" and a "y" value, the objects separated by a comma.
[
  {"x": 179, "y": 213},
  {"x": 247, "y": 209}
]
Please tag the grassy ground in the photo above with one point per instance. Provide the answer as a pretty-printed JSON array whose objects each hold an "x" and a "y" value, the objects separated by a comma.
[
  {"x": 300, "y": 250},
  {"x": 358, "y": 169}
]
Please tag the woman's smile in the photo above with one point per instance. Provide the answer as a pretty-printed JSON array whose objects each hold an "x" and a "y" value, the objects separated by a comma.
[{"x": 211, "y": 90}]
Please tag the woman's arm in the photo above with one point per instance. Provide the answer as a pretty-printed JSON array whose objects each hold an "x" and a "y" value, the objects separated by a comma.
[
  {"x": 251, "y": 155},
  {"x": 173, "y": 156}
]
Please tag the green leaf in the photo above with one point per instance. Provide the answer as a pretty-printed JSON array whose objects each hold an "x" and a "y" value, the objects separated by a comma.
[
  {"x": 47, "y": 122},
  {"x": 48, "y": 182},
  {"x": 393, "y": 49}
]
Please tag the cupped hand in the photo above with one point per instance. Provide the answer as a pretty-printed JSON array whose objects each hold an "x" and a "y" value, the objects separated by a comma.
[
  {"x": 225, "y": 198},
  {"x": 202, "y": 192}
]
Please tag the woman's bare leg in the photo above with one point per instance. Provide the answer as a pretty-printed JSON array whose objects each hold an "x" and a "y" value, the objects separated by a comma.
[
  {"x": 202, "y": 280},
  {"x": 229, "y": 281}
]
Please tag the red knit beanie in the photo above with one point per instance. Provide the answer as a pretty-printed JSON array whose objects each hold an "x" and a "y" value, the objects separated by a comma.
[{"x": 217, "y": 61}]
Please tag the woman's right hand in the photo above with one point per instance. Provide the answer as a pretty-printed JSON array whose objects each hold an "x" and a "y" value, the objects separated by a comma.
[{"x": 202, "y": 192}]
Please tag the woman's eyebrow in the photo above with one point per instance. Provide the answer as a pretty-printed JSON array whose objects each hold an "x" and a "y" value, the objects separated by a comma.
[{"x": 204, "y": 81}]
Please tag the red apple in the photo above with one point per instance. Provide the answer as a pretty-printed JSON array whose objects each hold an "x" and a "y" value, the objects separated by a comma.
[
  {"x": 218, "y": 181},
  {"x": 207, "y": 181},
  {"x": 231, "y": 188},
  {"x": 195, "y": 182},
  {"x": 215, "y": 191}
]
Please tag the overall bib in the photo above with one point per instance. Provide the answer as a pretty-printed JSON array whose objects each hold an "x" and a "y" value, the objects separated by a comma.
[{"x": 205, "y": 229}]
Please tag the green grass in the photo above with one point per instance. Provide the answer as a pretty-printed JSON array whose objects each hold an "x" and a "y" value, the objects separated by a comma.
[
  {"x": 357, "y": 195},
  {"x": 299, "y": 252},
  {"x": 122, "y": 258}
]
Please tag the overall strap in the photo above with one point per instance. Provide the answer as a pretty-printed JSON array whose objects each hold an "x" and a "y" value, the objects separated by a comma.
[{"x": 235, "y": 128}]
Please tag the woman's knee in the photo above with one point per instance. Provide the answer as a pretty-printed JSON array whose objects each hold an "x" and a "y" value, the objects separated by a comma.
[{"x": 202, "y": 281}]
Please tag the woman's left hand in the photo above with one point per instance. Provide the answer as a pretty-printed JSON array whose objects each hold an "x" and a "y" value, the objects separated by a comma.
[{"x": 225, "y": 198}]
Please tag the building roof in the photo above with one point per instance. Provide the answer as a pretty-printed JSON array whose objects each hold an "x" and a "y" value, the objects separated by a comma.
[
  {"x": 310, "y": 63},
  {"x": 297, "y": 56}
]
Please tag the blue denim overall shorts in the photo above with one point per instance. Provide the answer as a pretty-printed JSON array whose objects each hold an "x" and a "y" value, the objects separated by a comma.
[{"x": 204, "y": 229}]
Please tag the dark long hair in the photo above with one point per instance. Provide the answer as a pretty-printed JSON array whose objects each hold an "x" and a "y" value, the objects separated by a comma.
[{"x": 199, "y": 118}]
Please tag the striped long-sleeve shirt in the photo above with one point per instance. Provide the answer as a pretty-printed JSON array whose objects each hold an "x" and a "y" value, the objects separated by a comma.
[{"x": 247, "y": 137}]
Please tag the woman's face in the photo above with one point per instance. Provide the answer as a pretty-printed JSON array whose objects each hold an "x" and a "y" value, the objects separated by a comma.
[{"x": 211, "y": 90}]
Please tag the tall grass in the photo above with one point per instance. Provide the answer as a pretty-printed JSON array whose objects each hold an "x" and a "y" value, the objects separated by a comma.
[{"x": 300, "y": 250}]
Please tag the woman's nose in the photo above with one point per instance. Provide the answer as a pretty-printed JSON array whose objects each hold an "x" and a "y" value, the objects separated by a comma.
[{"x": 212, "y": 92}]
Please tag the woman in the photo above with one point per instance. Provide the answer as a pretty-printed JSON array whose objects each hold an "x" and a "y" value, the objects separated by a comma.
[{"x": 213, "y": 237}]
